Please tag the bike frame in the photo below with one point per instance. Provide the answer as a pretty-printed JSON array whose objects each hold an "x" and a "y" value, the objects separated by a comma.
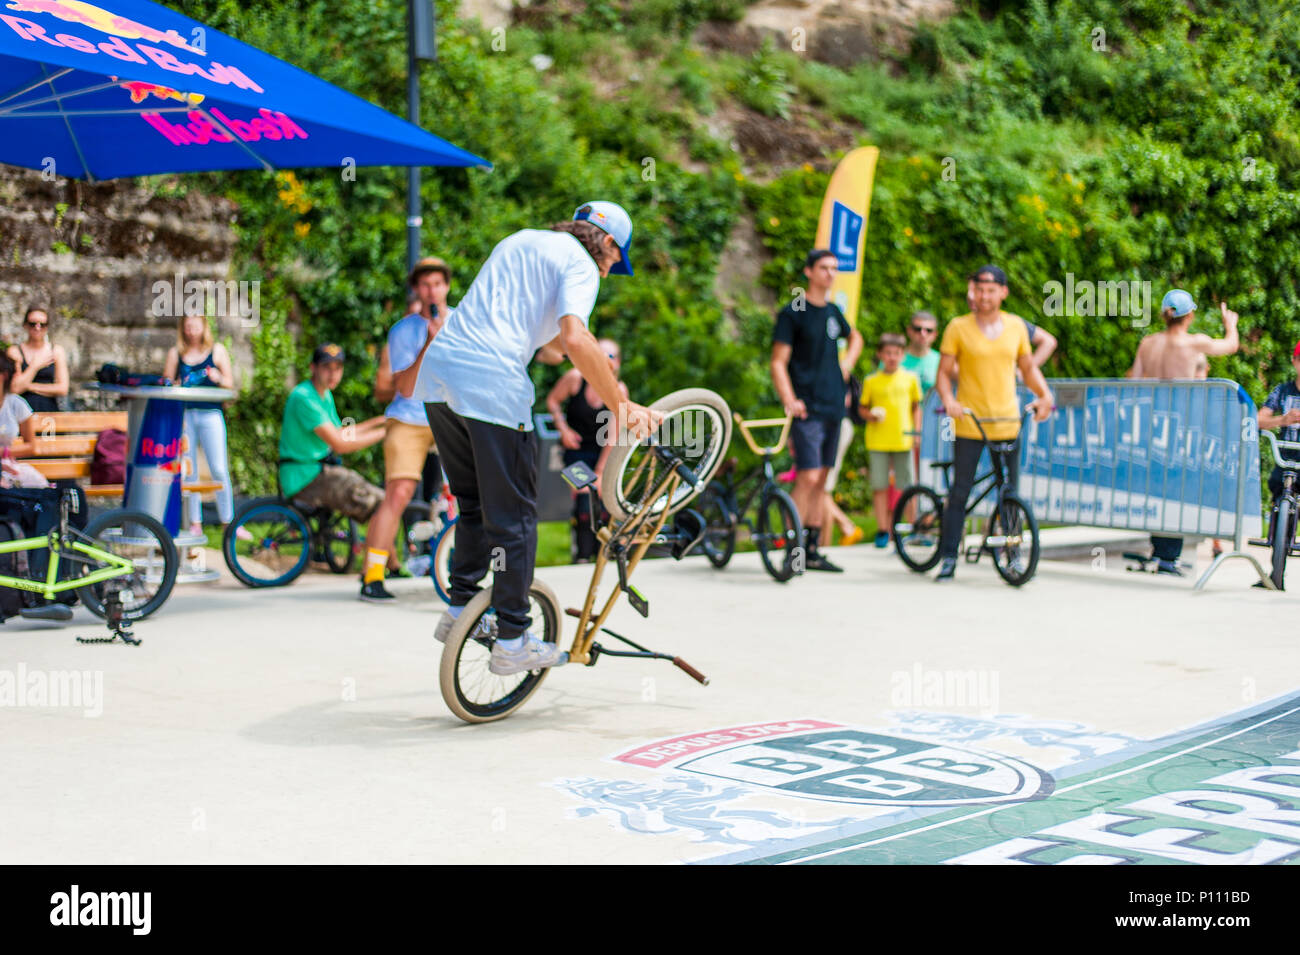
[
  {"x": 632, "y": 537},
  {"x": 763, "y": 470},
  {"x": 996, "y": 472},
  {"x": 1290, "y": 483},
  {"x": 56, "y": 544}
]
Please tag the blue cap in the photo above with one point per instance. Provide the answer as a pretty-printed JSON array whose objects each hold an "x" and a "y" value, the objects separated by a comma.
[
  {"x": 1178, "y": 300},
  {"x": 613, "y": 219}
]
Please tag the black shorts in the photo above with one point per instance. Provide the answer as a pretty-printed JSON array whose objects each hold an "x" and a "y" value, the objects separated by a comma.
[{"x": 814, "y": 442}]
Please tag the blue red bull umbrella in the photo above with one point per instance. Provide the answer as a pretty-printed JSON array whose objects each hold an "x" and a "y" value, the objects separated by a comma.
[{"x": 134, "y": 88}]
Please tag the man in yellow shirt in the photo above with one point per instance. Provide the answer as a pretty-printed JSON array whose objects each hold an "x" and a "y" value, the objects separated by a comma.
[
  {"x": 891, "y": 403},
  {"x": 988, "y": 345}
]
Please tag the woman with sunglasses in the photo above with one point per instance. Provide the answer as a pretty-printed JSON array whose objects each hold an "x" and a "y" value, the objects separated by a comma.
[
  {"x": 579, "y": 423},
  {"x": 42, "y": 376},
  {"x": 921, "y": 357}
]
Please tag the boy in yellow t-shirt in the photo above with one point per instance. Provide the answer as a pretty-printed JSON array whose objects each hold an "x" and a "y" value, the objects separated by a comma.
[{"x": 891, "y": 403}]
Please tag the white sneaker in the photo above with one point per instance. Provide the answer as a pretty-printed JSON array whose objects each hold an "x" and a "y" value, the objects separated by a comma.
[
  {"x": 487, "y": 627},
  {"x": 533, "y": 655}
]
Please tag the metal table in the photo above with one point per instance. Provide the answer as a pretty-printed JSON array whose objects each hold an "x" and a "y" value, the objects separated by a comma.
[{"x": 154, "y": 429}]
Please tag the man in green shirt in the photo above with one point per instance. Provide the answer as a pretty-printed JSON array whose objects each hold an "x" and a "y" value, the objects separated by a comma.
[{"x": 311, "y": 436}]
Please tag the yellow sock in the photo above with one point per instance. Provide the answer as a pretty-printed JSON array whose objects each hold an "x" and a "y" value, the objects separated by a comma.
[{"x": 376, "y": 561}]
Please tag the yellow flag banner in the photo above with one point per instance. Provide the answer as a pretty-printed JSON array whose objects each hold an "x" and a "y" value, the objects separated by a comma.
[{"x": 842, "y": 227}]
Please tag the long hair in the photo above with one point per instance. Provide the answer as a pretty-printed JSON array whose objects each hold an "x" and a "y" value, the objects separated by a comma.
[
  {"x": 592, "y": 237},
  {"x": 7, "y": 369},
  {"x": 180, "y": 333}
]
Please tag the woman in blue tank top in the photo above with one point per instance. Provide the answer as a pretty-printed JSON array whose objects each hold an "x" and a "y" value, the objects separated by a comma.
[{"x": 198, "y": 361}]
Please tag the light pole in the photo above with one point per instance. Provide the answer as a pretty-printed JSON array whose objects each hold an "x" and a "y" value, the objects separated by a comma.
[{"x": 421, "y": 44}]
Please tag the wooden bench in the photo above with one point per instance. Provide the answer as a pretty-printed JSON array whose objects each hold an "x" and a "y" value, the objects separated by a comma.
[{"x": 64, "y": 447}]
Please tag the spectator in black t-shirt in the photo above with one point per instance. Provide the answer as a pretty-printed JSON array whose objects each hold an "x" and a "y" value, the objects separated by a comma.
[
  {"x": 810, "y": 378},
  {"x": 1281, "y": 409}
]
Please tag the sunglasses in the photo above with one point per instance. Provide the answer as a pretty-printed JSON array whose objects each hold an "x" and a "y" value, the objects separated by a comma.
[
  {"x": 36, "y": 324},
  {"x": 923, "y": 329}
]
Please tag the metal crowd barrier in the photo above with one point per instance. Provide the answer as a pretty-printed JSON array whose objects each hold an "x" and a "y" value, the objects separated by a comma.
[{"x": 1175, "y": 458}]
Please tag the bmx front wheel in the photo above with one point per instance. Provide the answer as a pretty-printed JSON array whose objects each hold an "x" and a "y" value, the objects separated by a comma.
[
  {"x": 918, "y": 519},
  {"x": 470, "y": 689},
  {"x": 1283, "y": 533},
  {"x": 696, "y": 426},
  {"x": 780, "y": 535},
  {"x": 1013, "y": 541},
  {"x": 276, "y": 549},
  {"x": 719, "y": 541},
  {"x": 141, "y": 539}
]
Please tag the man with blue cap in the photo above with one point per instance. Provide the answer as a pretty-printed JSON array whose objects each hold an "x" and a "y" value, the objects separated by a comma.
[
  {"x": 532, "y": 297},
  {"x": 1177, "y": 353}
]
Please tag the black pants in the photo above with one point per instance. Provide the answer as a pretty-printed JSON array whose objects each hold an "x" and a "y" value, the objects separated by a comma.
[
  {"x": 965, "y": 459},
  {"x": 492, "y": 471},
  {"x": 1166, "y": 548}
]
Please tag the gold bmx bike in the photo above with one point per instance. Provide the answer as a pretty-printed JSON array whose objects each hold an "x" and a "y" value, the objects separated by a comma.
[{"x": 644, "y": 484}]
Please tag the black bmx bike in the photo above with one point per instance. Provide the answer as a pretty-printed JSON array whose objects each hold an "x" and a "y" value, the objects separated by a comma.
[
  {"x": 727, "y": 501},
  {"x": 271, "y": 540},
  {"x": 1010, "y": 534},
  {"x": 1281, "y": 540}
]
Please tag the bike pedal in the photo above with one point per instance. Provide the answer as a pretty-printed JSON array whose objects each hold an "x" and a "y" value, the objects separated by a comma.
[
  {"x": 638, "y": 602},
  {"x": 972, "y": 555}
]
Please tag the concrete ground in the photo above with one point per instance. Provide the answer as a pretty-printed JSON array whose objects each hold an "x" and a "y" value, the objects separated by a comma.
[{"x": 300, "y": 725}]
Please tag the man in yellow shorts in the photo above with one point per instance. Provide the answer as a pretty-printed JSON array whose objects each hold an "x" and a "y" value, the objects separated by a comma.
[{"x": 408, "y": 438}]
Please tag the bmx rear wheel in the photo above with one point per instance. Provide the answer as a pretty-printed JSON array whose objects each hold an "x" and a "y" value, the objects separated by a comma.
[
  {"x": 780, "y": 535},
  {"x": 473, "y": 692},
  {"x": 278, "y": 549},
  {"x": 918, "y": 517},
  {"x": 1013, "y": 541},
  {"x": 141, "y": 539},
  {"x": 696, "y": 426},
  {"x": 443, "y": 549}
]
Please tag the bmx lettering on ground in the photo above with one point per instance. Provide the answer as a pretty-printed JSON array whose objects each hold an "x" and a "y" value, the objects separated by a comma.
[{"x": 289, "y": 725}]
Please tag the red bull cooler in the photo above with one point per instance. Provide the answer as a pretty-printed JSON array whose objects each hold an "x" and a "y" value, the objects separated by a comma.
[{"x": 153, "y": 467}]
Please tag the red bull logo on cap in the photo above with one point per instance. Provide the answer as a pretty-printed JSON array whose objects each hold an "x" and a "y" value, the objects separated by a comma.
[{"x": 119, "y": 29}]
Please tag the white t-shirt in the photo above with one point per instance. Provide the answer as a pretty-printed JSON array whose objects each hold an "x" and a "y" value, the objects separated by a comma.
[
  {"x": 405, "y": 339},
  {"x": 478, "y": 364},
  {"x": 13, "y": 412}
]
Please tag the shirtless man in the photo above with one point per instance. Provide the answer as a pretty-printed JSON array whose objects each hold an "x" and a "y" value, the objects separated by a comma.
[{"x": 1177, "y": 353}]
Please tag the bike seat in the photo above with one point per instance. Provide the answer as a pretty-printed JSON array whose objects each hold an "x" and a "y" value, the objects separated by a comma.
[
  {"x": 60, "y": 613},
  {"x": 941, "y": 464}
]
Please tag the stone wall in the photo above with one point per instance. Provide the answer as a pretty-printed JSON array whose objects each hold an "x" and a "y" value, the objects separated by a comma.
[{"x": 91, "y": 254}]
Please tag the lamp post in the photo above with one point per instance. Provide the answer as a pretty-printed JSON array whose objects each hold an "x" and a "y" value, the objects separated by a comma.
[{"x": 421, "y": 44}]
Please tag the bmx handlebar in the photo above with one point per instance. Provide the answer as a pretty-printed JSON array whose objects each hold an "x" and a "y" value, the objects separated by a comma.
[{"x": 1277, "y": 443}]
